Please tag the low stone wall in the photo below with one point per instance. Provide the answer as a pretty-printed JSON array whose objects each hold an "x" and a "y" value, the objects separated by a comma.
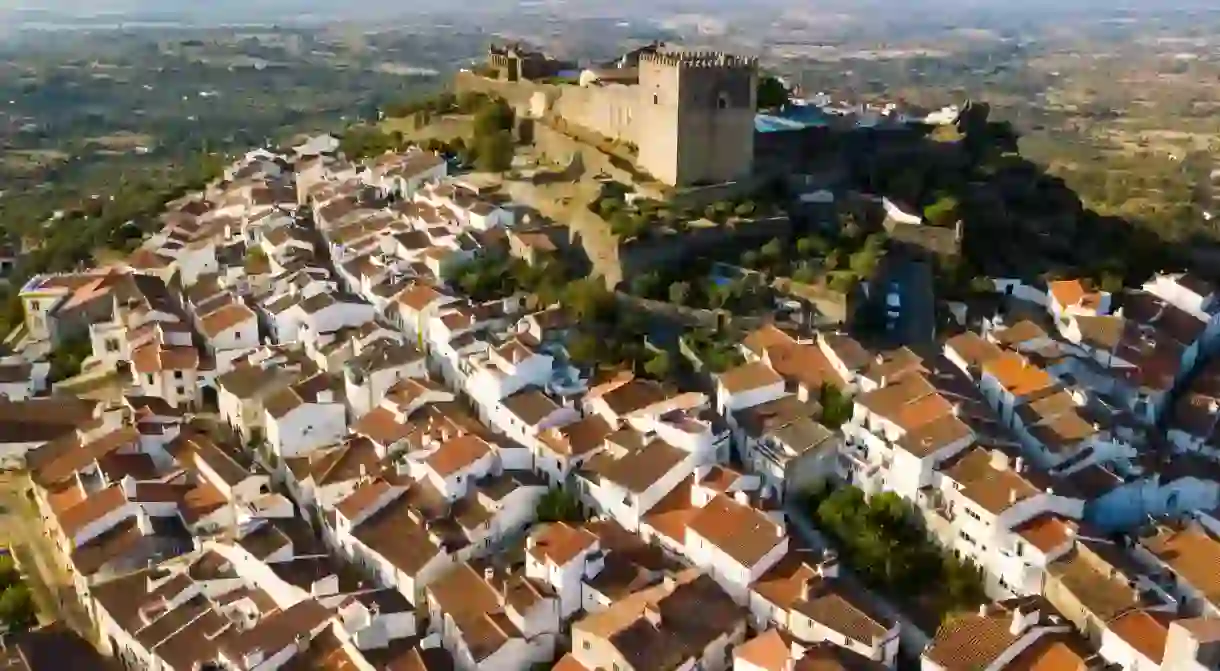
[
  {"x": 641, "y": 256},
  {"x": 832, "y": 306},
  {"x": 699, "y": 197},
  {"x": 517, "y": 94}
]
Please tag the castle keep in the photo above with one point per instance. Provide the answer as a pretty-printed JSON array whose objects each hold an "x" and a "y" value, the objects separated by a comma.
[{"x": 690, "y": 114}]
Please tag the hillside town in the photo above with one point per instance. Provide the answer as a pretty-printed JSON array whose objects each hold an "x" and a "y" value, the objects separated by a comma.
[{"x": 300, "y": 439}]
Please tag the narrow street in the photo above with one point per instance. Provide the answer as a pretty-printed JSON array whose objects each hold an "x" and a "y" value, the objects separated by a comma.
[{"x": 22, "y": 531}]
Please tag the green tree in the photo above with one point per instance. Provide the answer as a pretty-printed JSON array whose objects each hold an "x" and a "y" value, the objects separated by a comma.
[
  {"x": 68, "y": 357},
  {"x": 646, "y": 285},
  {"x": 837, "y": 407},
  {"x": 559, "y": 505},
  {"x": 9, "y": 575},
  {"x": 495, "y": 152},
  {"x": 944, "y": 212},
  {"x": 772, "y": 93},
  {"x": 470, "y": 102},
  {"x": 492, "y": 117},
  {"x": 1111, "y": 282},
  {"x": 679, "y": 293},
  {"x": 812, "y": 245},
  {"x": 864, "y": 262},
  {"x": 623, "y": 224},
  {"x": 583, "y": 349},
  {"x": 805, "y": 274},
  {"x": 750, "y": 258},
  {"x": 659, "y": 366},
  {"x": 17, "y": 610},
  {"x": 608, "y": 207},
  {"x": 773, "y": 250},
  {"x": 589, "y": 301},
  {"x": 849, "y": 226}
]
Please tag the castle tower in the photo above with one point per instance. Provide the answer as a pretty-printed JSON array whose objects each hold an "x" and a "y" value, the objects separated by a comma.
[{"x": 694, "y": 120}]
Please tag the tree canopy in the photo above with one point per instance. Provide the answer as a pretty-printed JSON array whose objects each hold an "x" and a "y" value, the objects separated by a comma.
[
  {"x": 771, "y": 92},
  {"x": 495, "y": 152},
  {"x": 883, "y": 543},
  {"x": 559, "y": 505}
]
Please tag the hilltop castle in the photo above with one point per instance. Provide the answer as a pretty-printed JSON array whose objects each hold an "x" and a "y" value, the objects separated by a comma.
[{"x": 690, "y": 114}]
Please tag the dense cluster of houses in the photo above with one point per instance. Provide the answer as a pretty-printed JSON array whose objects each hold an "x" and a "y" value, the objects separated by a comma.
[
  {"x": 322, "y": 455},
  {"x": 1067, "y": 453}
]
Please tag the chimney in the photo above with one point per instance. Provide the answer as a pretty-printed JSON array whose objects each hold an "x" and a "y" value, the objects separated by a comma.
[
  {"x": 1022, "y": 621},
  {"x": 653, "y": 615},
  {"x": 829, "y": 566},
  {"x": 807, "y": 589},
  {"x": 999, "y": 460}
]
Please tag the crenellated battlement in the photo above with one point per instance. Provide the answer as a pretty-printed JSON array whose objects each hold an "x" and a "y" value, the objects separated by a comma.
[{"x": 700, "y": 60}]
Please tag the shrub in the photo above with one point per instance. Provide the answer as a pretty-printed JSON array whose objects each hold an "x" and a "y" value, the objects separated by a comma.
[
  {"x": 17, "y": 609},
  {"x": 559, "y": 505}
]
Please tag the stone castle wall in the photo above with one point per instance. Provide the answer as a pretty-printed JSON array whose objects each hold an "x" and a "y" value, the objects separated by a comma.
[
  {"x": 516, "y": 94},
  {"x": 606, "y": 110}
]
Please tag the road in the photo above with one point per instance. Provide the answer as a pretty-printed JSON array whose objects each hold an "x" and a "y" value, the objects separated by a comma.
[{"x": 21, "y": 529}]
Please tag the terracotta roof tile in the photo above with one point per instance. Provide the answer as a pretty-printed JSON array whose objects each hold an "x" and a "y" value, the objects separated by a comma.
[
  {"x": 1192, "y": 554},
  {"x": 559, "y": 543},
  {"x": 530, "y": 406},
  {"x": 226, "y": 318},
  {"x": 768, "y": 651},
  {"x": 577, "y": 438},
  {"x": 1046, "y": 532},
  {"x": 457, "y": 454},
  {"x": 1146, "y": 631},
  {"x": 749, "y": 377},
  {"x": 92, "y": 509},
  {"x": 740, "y": 531},
  {"x": 972, "y": 641}
]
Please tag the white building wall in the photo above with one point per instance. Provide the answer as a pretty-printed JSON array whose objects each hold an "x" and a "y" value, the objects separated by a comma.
[
  {"x": 1117, "y": 651},
  {"x": 306, "y": 428}
]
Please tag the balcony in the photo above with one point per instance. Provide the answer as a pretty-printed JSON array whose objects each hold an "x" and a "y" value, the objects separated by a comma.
[{"x": 933, "y": 501}]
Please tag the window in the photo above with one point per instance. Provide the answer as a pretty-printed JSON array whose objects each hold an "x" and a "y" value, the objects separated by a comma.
[
  {"x": 181, "y": 391},
  {"x": 150, "y": 379},
  {"x": 656, "y": 99},
  {"x": 177, "y": 375},
  {"x": 112, "y": 345},
  {"x": 722, "y": 101},
  {"x": 584, "y": 645},
  {"x": 34, "y": 305}
]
